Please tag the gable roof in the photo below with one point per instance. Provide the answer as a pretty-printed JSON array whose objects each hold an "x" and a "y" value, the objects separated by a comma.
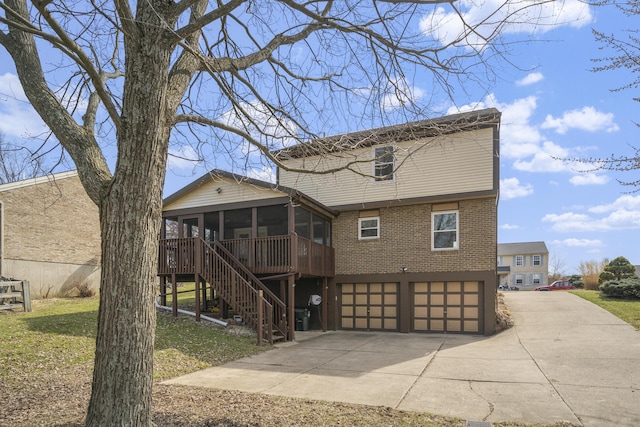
[
  {"x": 522, "y": 248},
  {"x": 453, "y": 123},
  {"x": 38, "y": 180},
  {"x": 245, "y": 180}
]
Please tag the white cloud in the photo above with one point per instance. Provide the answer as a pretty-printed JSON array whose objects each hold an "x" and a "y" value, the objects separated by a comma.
[
  {"x": 545, "y": 160},
  {"x": 265, "y": 173},
  {"x": 475, "y": 22},
  {"x": 589, "y": 178},
  {"x": 621, "y": 203},
  {"x": 17, "y": 117},
  {"x": 579, "y": 243},
  {"x": 530, "y": 79},
  {"x": 587, "y": 119},
  {"x": 184, "y": 157},
  {"x": 623, "y": 214},
  {"x": 399, "y": 93},
  {"x": 509, "y": 227},
  {"x": 511, "y": 188}
]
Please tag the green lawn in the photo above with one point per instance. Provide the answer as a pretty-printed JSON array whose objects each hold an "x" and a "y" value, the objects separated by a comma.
[
  {"x": 60, "y": 334},
  {"x": 626, "y": 309}
]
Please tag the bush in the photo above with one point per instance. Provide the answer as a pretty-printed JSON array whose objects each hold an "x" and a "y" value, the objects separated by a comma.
[{"x": 625, "y": 288}]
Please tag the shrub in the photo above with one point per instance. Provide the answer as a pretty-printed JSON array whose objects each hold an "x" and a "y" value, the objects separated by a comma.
[
  {"x": 84, "y": 291},
  {"x": 625, "y": 288}
]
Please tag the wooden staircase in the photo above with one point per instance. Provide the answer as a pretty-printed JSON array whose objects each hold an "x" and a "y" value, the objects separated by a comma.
[{"x": 247, "y": 296}]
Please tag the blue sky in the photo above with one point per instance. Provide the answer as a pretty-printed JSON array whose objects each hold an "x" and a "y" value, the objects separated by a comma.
[{"x": 552, "y": 105}]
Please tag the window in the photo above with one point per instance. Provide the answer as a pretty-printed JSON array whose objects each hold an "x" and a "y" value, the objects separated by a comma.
[
  {"x": 519, "y": 260},
  {"x": 537, "y": 277},
  {"x": 445, "y": 230},
  {"x": 537, "y": 260},
  {"x": 368, "y": 228},
  {"x": 519, "y": 279},
  {"x": 383, "y": 163}
]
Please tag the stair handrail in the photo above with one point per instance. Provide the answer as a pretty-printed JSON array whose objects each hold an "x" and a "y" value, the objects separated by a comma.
[{"x": 278, "y": 307}]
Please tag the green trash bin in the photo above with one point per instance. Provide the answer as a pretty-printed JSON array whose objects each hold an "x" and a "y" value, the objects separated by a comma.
[{"x": 302, "y": 319}]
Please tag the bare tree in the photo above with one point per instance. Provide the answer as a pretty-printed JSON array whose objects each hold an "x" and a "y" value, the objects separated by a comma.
[
  {"x": 17, "y": 163},
  {"x": 232, "y": 76},
  {"x": 557, "y": 268},
  {"x": 625, "y": 46}
]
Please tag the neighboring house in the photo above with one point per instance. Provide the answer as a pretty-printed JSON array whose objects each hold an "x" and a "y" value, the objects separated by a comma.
[
  {"x": 49, "y": 234},
  {"x": 415, "y": 246},
  {"x": 526, "y": 264}
]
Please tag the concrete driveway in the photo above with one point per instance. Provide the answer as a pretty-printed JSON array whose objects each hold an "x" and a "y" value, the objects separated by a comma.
[{"x": 564, "y": 360}]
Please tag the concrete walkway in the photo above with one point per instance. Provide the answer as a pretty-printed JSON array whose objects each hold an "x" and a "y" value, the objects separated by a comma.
[{"x": 565, "y": 360}]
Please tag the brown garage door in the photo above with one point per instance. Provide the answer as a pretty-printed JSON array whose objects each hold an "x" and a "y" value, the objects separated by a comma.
[
  {"x": 369, "y": 306},
  {"x": 446, "y": 306}
]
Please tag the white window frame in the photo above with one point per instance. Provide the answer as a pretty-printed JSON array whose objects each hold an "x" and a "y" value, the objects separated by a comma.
[
  {"x": 361, "y": 228},
  {"x": 378, "y": 161},
  {"x": 537, "y": 260},
  {"x": 519, "y": 260},
  {"x": 519, "y": 277},
  {"x": 536, "y": 278},
  {"x": 456, "y": 242}
]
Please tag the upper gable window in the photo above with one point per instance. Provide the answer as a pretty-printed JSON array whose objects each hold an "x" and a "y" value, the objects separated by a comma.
[{"x": 384, "y": 163}]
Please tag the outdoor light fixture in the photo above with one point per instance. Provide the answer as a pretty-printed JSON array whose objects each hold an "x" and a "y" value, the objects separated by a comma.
[{"x": 404, "y": 269}]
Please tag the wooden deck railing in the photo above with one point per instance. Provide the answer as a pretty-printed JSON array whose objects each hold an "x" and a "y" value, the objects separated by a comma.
[{"x": 272, "y": 255}]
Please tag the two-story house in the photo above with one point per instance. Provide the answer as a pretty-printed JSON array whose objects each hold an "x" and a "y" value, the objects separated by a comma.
[
  {"x": 525, "y": 264},
  {"x": 396, "y": 229}
]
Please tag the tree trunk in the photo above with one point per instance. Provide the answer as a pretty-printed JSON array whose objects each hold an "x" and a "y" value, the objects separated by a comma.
[{"x": 130, "y": 218}]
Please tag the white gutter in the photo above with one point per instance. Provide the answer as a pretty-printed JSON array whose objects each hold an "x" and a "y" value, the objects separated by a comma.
[{"x": 191, "y": 313}]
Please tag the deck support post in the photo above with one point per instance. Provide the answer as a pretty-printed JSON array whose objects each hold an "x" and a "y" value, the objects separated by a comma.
[
  {"x": 197, "y": 282},
  {"x": 325, "y": 286},
  {"x": 174, "y": 294},
  {"x": 291, "y": 303}
]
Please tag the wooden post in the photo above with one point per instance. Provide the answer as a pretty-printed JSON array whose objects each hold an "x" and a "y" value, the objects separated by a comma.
[
  {"x": 291, "y": 307},
  {"x": 174, "y": 294},
  {"x": 26, "y": 295},
  {"x": 163, "y": 290},
  {"x": 260, "y": 316},
  {"x": 197, "y": 291},
  {"x": 325, "y": 285}
]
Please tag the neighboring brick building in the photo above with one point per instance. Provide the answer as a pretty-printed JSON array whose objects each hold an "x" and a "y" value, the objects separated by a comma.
[
  {"x": 49, "y": 234},
  {"x": 524, "y": 265}
]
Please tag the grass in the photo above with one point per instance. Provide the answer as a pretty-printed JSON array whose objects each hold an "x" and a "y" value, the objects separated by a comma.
[
  {"x": 625, "y": 309},
  {"x": 60, "y": 334},
  {"x": 47, "y": 357}
]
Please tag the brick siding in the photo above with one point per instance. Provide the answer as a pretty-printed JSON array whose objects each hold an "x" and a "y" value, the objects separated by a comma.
[
  {"x": 52, "y": 222},
  {"x": 405, "y": 241}
]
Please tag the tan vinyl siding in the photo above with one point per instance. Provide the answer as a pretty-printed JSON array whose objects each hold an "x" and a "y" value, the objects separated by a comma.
[
  {"x": 230, "y": 192},
  {"x": 454, "y": 164}
]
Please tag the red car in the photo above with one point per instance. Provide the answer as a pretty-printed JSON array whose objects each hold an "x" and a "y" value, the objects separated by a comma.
[{"x": 558, "y": 285}]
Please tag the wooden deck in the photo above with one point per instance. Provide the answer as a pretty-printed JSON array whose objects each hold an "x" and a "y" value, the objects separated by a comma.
[{"x": 261, "y": 255}]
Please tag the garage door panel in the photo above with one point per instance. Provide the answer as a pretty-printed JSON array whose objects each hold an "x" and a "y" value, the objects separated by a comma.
[
  {"x": 471, "y": 326},
  {"x": 390, "y": 324},
  {"x": 375, "y": 299},
  {"x": 437, "y": 299}
]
